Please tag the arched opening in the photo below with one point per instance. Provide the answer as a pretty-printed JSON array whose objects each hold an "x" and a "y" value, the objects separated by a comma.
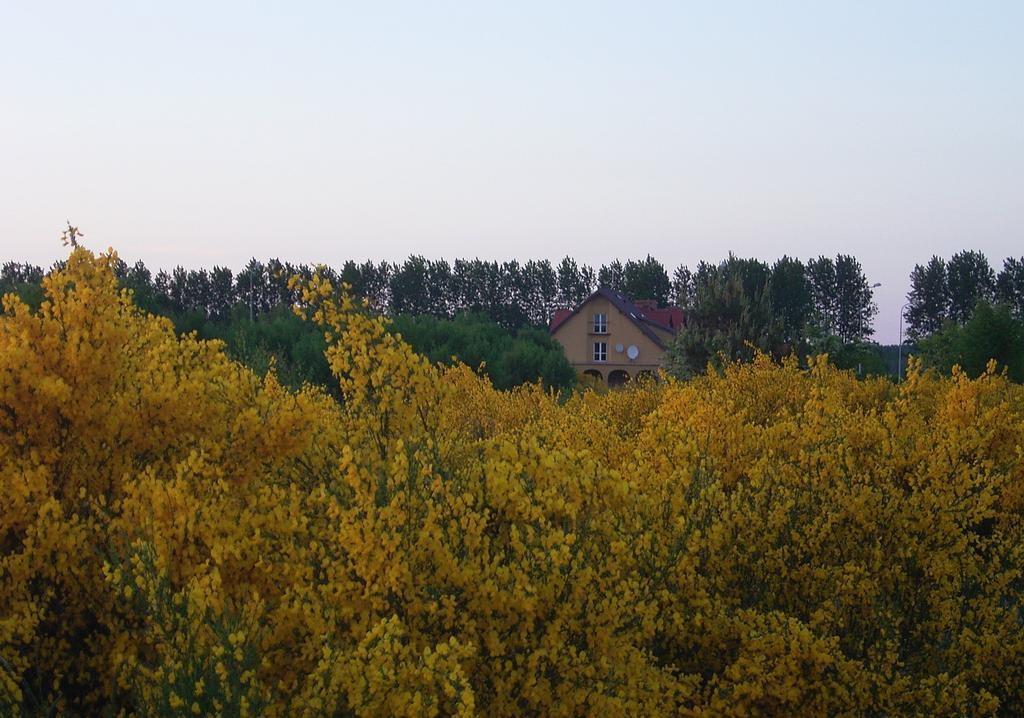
[
  {"x": 618, "y": 377},
  {"x": 594, "y": 375}
]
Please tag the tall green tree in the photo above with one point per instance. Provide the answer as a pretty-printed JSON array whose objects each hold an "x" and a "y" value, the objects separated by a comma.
[
  {"x": 790, "y": 295},
  {"x": 1010, "y": 285},
  {"x": 821, "y": 276},
  {"x": 575, "y": 283},
  {"x": 856, "y": 306},
  {"x": 753, "y": 274},
  {"x": 646, "y": 279},
  {"x": 222, "y": 293},
  {"x": 376, "y": 280},
  {"x": 439, "y": 288},
  {"x": 971, "y": 280},
  {"x": 352, "y": 275},
  {"x": 612, "y": 275},
  {"x": 928, "y": 299},
  {"x": 704, "y": 277},
  {"x": 542, "y": 283},
  {"x": 843, "y": 300},
  {"x": 251, "y": 288},
  {"x": 410, "y": 287},
  {"x": 682, "y": 287}
]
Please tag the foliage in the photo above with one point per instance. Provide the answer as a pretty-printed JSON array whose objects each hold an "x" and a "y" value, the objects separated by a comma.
[
  {"x": 992, "y": 334},
  {"x": 943, "y": 292},
  {"x": 180, "y": 536},
  {"x": 278, "y": 341},
  {"x": 971, "y": 280},
  {"x": 863, "y": 358},
  {"x": 728, "y": 322},
  {"x": 24, "y": 280},
  {"x": 790, "y": 296},
  {"x": 683, "y": 289},
  {"x": 646, "y": 279},
  {"x": 507, "y": 359},
  {"x": 575, "y": 283},
  {"x": 843, "y": 300},
  {"x": 928, "y": 300},
  {"x": 1010, "y": 285}
]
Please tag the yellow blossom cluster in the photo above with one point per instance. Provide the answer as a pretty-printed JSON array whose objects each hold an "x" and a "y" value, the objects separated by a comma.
[{"x": 179, "y": 536}]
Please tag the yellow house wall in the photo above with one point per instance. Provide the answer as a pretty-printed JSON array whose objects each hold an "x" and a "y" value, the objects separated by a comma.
[{"x": 577, "y": 338}]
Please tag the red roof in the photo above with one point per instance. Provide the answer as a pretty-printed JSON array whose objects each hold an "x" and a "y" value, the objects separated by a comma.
[
  {"x": 558, "y": 317},
  {"x": 643, "y": 312},
  {"x": 671, "y": 317}
]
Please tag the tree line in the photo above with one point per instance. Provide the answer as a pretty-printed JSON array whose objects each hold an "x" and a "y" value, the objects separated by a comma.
[
  {"x": 960, "y": 312},
  {"x": 513, "y": 294},
  {"x": 733, "y": 308},
  {"x": 944, "y": 292},
  {"x": 251, "y": 312}
]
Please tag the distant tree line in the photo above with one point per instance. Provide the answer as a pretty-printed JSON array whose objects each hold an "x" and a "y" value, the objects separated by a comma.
[
  {"x": 944, "y": 291},
  {"x": 730, "y": 306},
  {"x": 733, "y": 307},
  {"x": 960, "y": 312},
  {"x": 512, "y": 294},
  {"x": 251, "y": 313}
]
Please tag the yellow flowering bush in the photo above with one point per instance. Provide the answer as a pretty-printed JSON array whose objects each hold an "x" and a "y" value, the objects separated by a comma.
[{"x": 179, "y": 536}]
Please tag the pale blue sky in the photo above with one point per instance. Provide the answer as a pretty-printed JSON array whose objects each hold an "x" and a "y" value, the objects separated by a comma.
[{"x": 199, "y": 133}]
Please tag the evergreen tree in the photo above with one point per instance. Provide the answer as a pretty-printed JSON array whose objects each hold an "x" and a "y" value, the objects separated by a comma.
[
  {"x": 752, "y": 273},
  {"x": 725, "y": 323},
  {"x": 704, "y": 278},
  {"x": 682, "y": 287}
]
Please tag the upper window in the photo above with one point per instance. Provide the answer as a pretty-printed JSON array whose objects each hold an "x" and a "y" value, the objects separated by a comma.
[
  {"x": 600, "y": 351},
  {"x": 600, "y": 324}
]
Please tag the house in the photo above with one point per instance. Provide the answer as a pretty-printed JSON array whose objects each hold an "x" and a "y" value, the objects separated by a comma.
[{"x": 614, "y": 339}]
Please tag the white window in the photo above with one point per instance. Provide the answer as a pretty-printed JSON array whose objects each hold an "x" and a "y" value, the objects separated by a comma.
[
  {"x": 600, "y": 351},
  {"x": 600, "y": 324}
]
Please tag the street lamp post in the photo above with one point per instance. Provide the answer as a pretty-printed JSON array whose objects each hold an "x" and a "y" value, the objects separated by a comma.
[{"x": 899, "y": 354}]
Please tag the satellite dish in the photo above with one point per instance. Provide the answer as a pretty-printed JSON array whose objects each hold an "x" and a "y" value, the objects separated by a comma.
[
  {"x": 618, "y": 347},
  {"x": 632, "y": 352}
]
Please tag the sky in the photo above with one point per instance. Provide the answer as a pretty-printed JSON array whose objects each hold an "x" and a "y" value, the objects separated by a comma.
[{"x": 202, "y": 133}]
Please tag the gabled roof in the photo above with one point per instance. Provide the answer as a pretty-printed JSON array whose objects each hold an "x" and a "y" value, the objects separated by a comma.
[{"x": 635, "y": 314}]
